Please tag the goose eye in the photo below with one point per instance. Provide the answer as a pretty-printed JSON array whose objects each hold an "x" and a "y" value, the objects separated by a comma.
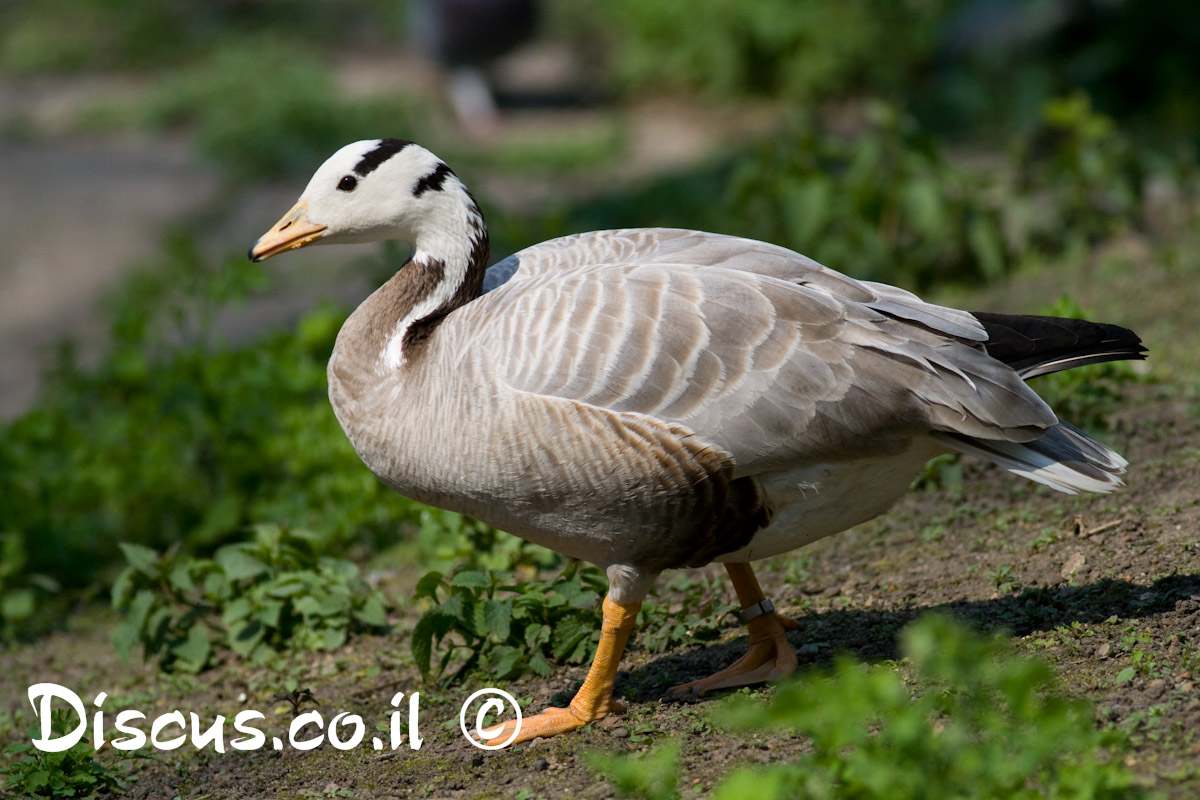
[{"x": 347, "y": 183}]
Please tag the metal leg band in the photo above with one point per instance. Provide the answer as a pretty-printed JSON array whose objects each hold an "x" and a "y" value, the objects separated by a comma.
[{"x": 755, "y": 611}]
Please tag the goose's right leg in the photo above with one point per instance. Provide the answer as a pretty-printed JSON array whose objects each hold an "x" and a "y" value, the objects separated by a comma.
[{"x": 770, "y": 655}]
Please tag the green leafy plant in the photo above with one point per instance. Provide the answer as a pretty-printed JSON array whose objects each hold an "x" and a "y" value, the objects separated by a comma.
[
  {"x": 804, "y": 52},
  {"x": 21, "y": 592},
  {"x": 177, "y": 437},
  {"x": 70, "y": 773},
  {"x": 979, "y": 723},
  {"x": 1085, "y": 177},
  {"x": 253, "y": 599},
  {"x": 480, "y": 620},
  {"x": 882, "y": 204},
  {"x": 447, "y": 540},
  {"x": 690, "y": 607}
]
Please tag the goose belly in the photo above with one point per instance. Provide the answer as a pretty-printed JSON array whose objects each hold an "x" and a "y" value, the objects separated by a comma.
[{"x": 823, "y": 499}]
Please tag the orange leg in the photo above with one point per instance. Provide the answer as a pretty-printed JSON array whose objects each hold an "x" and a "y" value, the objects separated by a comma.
[
  {"x": 594, "y": 699},
  {"x": 770, "y": 655}
]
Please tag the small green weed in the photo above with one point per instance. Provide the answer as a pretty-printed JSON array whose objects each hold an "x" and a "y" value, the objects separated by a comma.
[
  {"x": 70, "y": 773},
  {"x": 253, "y": 599},
  {"x": 980, "y": 723},
  {"x": 1002, "y": 577},
  {"x": 483, "y": 622},
  {"x": 690, "y": 608}
]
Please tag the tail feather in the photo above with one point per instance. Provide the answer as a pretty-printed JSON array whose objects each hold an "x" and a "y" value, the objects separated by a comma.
[
  {"x": 1063, "y": 458},
  {"x": 1034, "y": 345}
]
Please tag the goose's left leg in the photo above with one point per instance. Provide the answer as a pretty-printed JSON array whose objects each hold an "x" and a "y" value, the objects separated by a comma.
[
  {"x": 770, "y": 655},
  {"x": 594, "y": 700}
]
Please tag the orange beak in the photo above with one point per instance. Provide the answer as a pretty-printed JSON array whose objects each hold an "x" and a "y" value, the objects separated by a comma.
[{"x": 291, "y": 232}]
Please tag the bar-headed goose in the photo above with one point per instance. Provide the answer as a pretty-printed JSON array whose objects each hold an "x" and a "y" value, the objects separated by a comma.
[{"x": 653, "y": 399}]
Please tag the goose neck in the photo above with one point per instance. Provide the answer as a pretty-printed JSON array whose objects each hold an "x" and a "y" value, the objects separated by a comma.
[{"x": 445, "y": 272}]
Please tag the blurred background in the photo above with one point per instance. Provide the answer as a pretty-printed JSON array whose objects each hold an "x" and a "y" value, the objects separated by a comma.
[{"x": 157, "y": 388}]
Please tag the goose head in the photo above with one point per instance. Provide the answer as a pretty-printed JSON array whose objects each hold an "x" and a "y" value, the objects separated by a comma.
[{"x": 374, "y": 190}]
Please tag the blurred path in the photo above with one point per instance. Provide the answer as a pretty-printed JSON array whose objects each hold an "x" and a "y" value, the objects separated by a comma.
[{"x": 73, "y": 217}]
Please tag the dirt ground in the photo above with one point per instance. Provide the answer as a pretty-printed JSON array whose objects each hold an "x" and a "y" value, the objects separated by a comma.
[{"x": 1092, "y": 584}]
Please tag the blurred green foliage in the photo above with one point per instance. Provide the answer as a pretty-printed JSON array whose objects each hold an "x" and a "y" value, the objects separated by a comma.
[
  {"x": 979, "y": 722},
  {"x": 253, "y": 599},
  {"x": 802, "y": 52},
  {"x": 447, "y": 540},
  {"x": 287, "y": 118},
  {"x": 963, "y": 66},
  {"x": 883, "y": 204},
  {"x": 38, "y": 36},
  {"x": 176, "y": 437},
  {"x": 878, "y": 198}
]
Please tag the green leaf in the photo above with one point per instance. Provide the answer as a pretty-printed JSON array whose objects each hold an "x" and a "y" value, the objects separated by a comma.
[
  {"x": 372, "y": 613},
  {"x": 497, "y": 617},
  {"x": 244, "y": 636},
  {"x": 422, "y": 643},
  {"x": 427, "y": 586},
  {"x": 180, "y": 577},
  {"x": 236, "y": 610},
  {"x": 332, "y": 604},
  {"x": 471, "y": 579},
  {"x": 36, "y": 780},
  {"x": 286, "y": 586},
  {"x": 568, "y": 634},
  {"x": 333, "y": 638},
  {"x": 1126, "y": 675},
  {"x": 194, "y": 650},
  {"x": 536, "y": 635},
  {"x": 539, "y": 664},
  {"x": 269, "y": 613},
  {"x": 505, "y": 660},
  {"x": 237, "y": 563},
  {"x": 141, "y": 558},
  {"x": 122, "y": 587},
  {"x": 140, "y": 606},
  {"x": 17, "y": 604}
]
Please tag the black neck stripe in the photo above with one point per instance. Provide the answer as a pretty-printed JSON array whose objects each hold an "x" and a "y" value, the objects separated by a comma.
[
  {"x": 382, "y": 152},
  {"x": 433, "y": 180}
]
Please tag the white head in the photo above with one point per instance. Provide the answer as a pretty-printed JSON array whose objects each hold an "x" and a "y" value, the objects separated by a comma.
[{"x": 374, "y": 190}]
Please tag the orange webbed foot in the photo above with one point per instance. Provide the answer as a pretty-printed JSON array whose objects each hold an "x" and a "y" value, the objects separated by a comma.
[{"x": 770, "y": 656}]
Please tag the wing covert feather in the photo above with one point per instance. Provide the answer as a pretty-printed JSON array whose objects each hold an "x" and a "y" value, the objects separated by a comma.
[{"x": 759, "y": 351}]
